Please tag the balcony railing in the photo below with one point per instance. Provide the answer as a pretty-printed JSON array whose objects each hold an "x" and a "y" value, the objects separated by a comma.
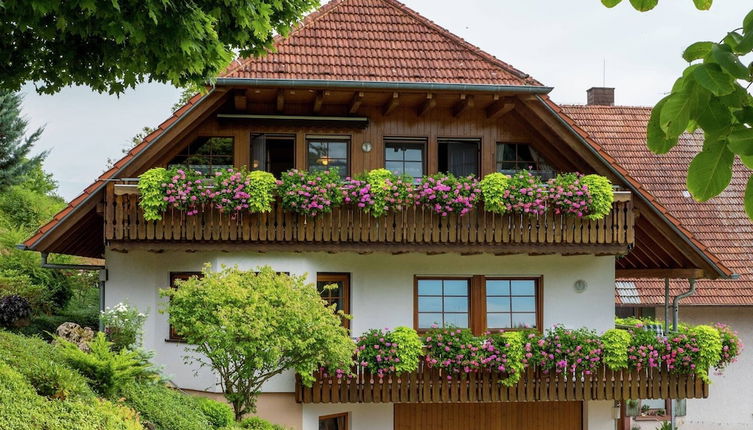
[
  {"x": 347, "y": 228},
  {"x": 430, "y": 385}
]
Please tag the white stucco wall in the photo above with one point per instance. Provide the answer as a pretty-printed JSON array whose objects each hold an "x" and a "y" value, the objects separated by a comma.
[{"x": 381, "y": 296}]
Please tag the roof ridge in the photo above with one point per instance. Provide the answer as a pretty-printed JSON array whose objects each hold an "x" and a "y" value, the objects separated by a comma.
[
  {"x": 585, "y": 105},
  {"x": 447, "y": 34}
]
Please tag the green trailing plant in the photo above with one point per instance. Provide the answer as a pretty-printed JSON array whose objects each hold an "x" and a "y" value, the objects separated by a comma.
[
  {"x": 602, "y": 195},
  {"x": 731, "y": 346},
  {"x": 710, "y": 349},
  {"x": 495, "y": 190},
  {"x": 383, "y": 352},
  {"x": 616, "y": 343},
  {"x": 262, "y": 191},
  {"x": 152, "y": 194},
  {"x": 510, "y": 346},
  {"x": 409, "y": 348},
  {"x": 107, "y": 370}
]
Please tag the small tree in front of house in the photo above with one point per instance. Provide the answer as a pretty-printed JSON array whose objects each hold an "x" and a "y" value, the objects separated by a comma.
[{"x": 250, "y": 326}]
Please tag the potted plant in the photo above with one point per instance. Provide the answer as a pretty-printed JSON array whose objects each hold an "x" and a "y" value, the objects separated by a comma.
[{"x": 632, "y": 408}]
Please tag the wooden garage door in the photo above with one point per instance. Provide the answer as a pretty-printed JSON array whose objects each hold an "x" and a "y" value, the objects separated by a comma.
[{"x": 489, "y": 416}]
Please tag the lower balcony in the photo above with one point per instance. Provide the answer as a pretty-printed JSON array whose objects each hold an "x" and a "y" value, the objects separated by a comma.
[{"x": 429, "y": 385}]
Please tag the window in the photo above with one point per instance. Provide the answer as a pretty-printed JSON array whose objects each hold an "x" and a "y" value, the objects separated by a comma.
[
  {"x": 339, "y": 296},
  {"x": 327, "y": 153},
  {"x": 206, "y": 155},
  {"x": 443, "y": 302},
  {"x": 510, "y": 303},
  {"x": 405, "y": 156},
  {"x": 512, "y": 157},
  {"x": 273, "y": 153},
  {"x": 182, "y": 276},
  {"x": 334, "y": 422},
  {"x": 477, "y": 302},
  {"x": 459, "y": 156}
]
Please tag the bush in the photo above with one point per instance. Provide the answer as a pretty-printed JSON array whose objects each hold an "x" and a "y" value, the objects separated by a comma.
[
  {"x": 602, "y": 195},
  {"x": 506, "y": 351},
  {"x": 106, "y": 369},
  {"x": 310, "y": 193},
  {"x": 256, "y": 423},
  {"x": 616, "y": 343},
  {"x": 494, "y": 188},
  {"x": 12, "y": 309},
  {"x": 151, "y": 194},
  {"x": 217, "y": 413},
  {"x": 123, "y": 325},
  {"x": 163, "y": 407},
  {"x": 42, "y": 367}
]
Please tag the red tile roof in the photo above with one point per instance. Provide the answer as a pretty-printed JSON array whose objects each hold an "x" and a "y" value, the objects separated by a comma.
[
  {"x": 720, "y": 224},
  {"x": 377, "y": 40}
]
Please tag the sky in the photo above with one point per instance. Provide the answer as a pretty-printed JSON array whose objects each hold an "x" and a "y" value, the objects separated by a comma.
[{"x": 562, "y": 43}]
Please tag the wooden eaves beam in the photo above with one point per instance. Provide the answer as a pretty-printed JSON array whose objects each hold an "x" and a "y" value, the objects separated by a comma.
[
  {"x": 356, "y": 102},
  {"x": 499, "y": 107},
  {"x": 392, "y": 104},
  {"x": 429, "y": 103},
  {"x": 319, "y": 100},
  {"x": 465, "y": 103},
  {"x": 280, "y": 100},
  {"x": 693, "y": 273},
  {"x": 240, "y": 101}
]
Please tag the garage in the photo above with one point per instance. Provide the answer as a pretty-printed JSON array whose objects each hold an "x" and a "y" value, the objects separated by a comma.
[{"x": 489, "y": 416}]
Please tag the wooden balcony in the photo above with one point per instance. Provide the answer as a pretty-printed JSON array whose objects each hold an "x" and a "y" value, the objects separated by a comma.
[
  {"x": 349, "y": 229},
  {"x": 430, "y": 385}
]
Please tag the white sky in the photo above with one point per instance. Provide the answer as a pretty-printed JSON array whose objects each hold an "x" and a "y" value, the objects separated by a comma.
[{"x": 562, "y": 43}]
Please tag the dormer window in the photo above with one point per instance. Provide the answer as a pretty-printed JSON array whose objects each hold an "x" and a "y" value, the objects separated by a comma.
[{"x": 206, "y": 155}]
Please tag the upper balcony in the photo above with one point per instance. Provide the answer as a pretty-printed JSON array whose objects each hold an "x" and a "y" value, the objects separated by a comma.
[{"x": 348, "y": 229}]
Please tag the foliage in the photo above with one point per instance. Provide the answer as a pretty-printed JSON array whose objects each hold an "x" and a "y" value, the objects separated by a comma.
[
  {"x": 42, "y": 366},
  {"x": 709, "y": 346},
  {"x": 507, "y": 354},
  {"x": 256, "y": 423},
  {"x": 12, "y": 309},
  {"x": 616, "y": 343},
  {"x": 379, "y": 192},
  {"x": 526, "y": 194},
  {"x": 249, "y": 327},
  {"x": 445, "y": 193},
  {"x": 22, "y": 409},
  {"x": 455, "y": 350},
  {"x": 83, "y": 309},
  {"x": 494, "y": 189},
  {"x": 14, "y": 144},
  {"x": 235, "y": 191},
  {"x": 151, "y": 196},
  {"x": 712, "y": 96},
  {"x": 568, "y": 194},
  {"x": 262, "y": 192},
  {"x": 569, "y": 351},
  {"x": 107, "y": 370},
  {"x": 217, "y": 413},
  {"x": 383, "y": 352},
  {"x": 732, "y": 346},
  {"x": 310, "y": 193},
  {"x": 185, "y": 190},
  {"x": 123, "y": 325},
  {"x": 113, "y": 46},
  {"x": 601, "y": 195},
  {"x": 164, "y": 408}
]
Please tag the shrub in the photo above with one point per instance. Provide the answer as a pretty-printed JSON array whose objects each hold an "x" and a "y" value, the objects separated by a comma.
[
  {"x": 256, "y": 423},
  {"x": 568, "y": 195},
  {"x": 445, "y": 193},
  {"x": 152, "y": 194},
  {"x": 602, "y": 195},
  {"x": 262, "y": 191},
  {"x": 15, "y": 282},
  {"x": 12, "y": 309},
  {"x": 494, "y": 188},
  {"x": 310, "y": 193},
  {"x": 42, "y": 367},
  {"x": 616, "y": 343},
  {"x": 379, "y": 191},
  {"x": 123, "y": 325},
  {"x": 217, "y": 413},
  {"x": 731, "y": 346},
  {"x": 106, "y": 369},
  {"x": 384, "y": 352},
  {"x": 163, "y": 407}
]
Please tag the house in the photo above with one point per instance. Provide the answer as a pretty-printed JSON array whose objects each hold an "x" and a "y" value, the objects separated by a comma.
[
  {"x": 720, "y": 224},
  {"x": 366, "y": 84}
]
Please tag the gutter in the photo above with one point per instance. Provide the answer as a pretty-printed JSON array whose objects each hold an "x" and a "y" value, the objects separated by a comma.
[
  {"x": 676, "y": 303},
  {"x": 46, "y": 265},
  {"x": 382, "y": 85},
  {"x": 672, "y": 226}
]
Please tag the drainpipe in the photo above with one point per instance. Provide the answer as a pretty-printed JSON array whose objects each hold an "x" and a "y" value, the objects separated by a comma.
[
  {"x": 675, "y": 321},
  {"x": 666, "y": 305}
]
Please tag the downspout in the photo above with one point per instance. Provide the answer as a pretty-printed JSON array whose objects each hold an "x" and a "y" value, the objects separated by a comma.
[
  {"x": 675, "y": 321},
  {"x": 666, "y": 305}
]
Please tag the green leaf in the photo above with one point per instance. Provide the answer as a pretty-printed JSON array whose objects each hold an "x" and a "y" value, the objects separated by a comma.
[
  {"x": 676, "y": 112},
  {"x": 740, "y": 141},
  {"x": 644, "y": 5},
  {"x": 714, "y": 117},
  {"x": 733, "y": 39},
  {"x": 746, "y": 44},
  {"x": 657, "y": 140},
  {"x": 710, "y": 172},
  {"x": 711, "y": 77},
  {"x": 747, "y": 161},
  {"x": 611, "y": 3},
  {"x": 697, "y": 51},
  {"x": 703, "y": 4},
  {"x": 745, "y": 115},
  {"x": 730, "y": 62},
  {"x": 748, "y": 198},
  {"x": 748, "y": 23}
]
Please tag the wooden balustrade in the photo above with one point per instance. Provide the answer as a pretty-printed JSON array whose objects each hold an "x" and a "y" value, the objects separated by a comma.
[
  {"x": 348, "y": 228},
  {"x": 431, "y": 385}
]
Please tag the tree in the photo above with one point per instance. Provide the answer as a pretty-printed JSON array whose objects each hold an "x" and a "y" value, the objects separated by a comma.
[
  {"x": 14, "y": 144},
  {"x": 113, "y": 45},
  {"x": 712, "y": 95},
  {"x": 250, "y": 326}
]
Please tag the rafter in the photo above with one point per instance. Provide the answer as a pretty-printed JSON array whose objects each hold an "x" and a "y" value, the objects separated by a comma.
[
  {"x": 427, "y": 105},
  {"x": 465, "y": 103},
  {"x": 280, "y": 100},
  {"x": 392, "y": 104},
  {"x": 319, "y": 100},
  {"x": 692, "y": 273},
  {"x": 240, "y": 101},
  {"x": 499, "y": 107},
  {"x": 356, "y": 102}
]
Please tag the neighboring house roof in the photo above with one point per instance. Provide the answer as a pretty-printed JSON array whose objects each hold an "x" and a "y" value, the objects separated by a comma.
[
  {"x": 376, "y": 40},
  {"x": 720, "y": 223}
]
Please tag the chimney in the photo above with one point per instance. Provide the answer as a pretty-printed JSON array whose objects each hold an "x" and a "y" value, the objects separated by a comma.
[{"x": 600, "y": 96}]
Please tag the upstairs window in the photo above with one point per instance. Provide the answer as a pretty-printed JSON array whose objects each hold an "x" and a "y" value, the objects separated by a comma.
[
  {"x": 404, "y": 156},
  {"x": 459, "y": 156},
  {"x": 328, "y": 152},
  {"x": 206, "y": 155},
  {"x": 512, "y": 157},
  {"x": 273, "y": 153},
  {"x": 511, "y": 303},
  {"x": 340, "y": 295},
  {"x": 443, "y": 302}
]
